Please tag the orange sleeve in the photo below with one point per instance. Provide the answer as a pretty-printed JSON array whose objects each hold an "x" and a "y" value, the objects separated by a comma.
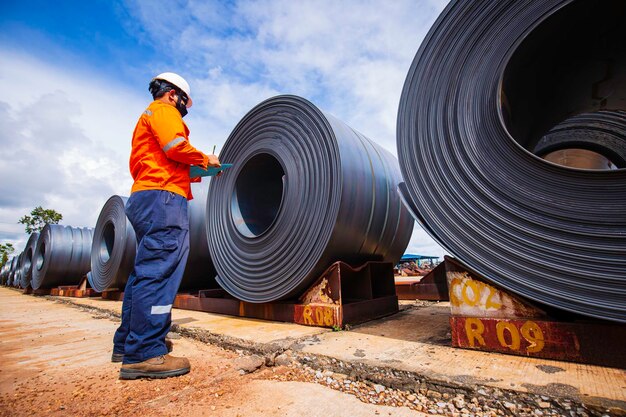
[{"x": 171, "y": 133}]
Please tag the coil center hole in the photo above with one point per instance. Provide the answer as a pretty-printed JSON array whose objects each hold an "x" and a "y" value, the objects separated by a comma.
[
  {"x": 41, "y": 256},
  {"x": 107, "y": 242},
  {"x": 258, "y": 195},
  {"x": 571, "y": 65}
]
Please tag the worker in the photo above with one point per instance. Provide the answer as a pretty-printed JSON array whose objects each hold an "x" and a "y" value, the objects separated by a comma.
[{"x": 157, "y": 208}]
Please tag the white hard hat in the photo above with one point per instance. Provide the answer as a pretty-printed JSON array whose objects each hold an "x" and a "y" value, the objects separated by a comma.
[{"x": 178, "y": 81}]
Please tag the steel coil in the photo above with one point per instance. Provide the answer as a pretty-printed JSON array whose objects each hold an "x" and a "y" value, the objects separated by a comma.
[
  {"x": 61, "y": 256},
  {"x": 113, "y": 248},
  {"x": 17, "y": 277},
  {"x": 114, "y": 245},
  {"x": 26, "y": 266},
  {"x": 305, "y": 190},
  {"x": 12, "y": 271},
  {"x": 4, "y": 272},
  {"x": 488, "y": 82},
  {"x": 199, "y": 271}
]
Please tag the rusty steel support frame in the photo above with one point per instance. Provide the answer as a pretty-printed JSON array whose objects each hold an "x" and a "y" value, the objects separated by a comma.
[
  {"x": 78, "y": 291},
  {"x": 488, "y": 318},
  {"x": 342, "y": 295},
  {"x": 432, "y": 286},
  {"x": 112, "y": 294}
]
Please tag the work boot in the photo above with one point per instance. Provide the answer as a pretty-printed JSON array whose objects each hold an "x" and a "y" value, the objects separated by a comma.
[
  {"x": 119, "y": 357},
  {"x": 163, "y": 366}
]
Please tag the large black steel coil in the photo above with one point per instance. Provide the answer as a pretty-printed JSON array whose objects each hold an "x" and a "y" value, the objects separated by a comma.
[
  {"x": 26, "y": 265},
  {"x": 305, "y": 190},
  {"x": 488, "y": 82},
  {"x": 61, "y": 256},
  {"x": 113, "y": 247}
]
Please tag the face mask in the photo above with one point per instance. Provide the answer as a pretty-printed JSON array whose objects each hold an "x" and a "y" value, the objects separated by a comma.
[{"x": 181, "y": 107}]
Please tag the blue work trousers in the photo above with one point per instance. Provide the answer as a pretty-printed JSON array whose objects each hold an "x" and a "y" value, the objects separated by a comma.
[{"x": 162, "y": 229}]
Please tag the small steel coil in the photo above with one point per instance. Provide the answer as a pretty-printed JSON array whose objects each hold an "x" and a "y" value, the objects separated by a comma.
[
  {"x": 61, "y": 256},
  {"x": 26, "y": 266},
  {"x": 4, "y": 272},
  {"x": 115, "y": 245},
  {"x": 13, "y": 271},
  {"x": 17, "y": 277},
  {"x": 490, "y": 80},
  {"x": 113, "y": 248},
  {"x": 199, "y": 271},
  {"x": 305, "y": 190}
]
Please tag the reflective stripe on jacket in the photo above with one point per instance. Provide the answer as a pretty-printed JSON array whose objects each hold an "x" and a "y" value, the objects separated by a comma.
[{"x": 161, "y": 152}]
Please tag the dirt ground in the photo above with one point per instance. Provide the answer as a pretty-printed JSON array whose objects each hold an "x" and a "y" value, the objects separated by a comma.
[{"x": 55, "y": 360}]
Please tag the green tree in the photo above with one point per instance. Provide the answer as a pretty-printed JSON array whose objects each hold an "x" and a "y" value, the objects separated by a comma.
[
  {"x": 39, "y": 217},
  {"x": 5, "y": 250}
]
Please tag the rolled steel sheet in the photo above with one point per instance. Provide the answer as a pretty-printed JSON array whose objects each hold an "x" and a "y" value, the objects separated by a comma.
[
  {"x": 199, "y": 271},
  {"x": 487, "y": 83},
  {"x": 12, "y": 271},
  {"x": 114, "y": 245},
  {"x": 17, "y": 277},
  {"x": 305, "y": 190},
  {"x": 4, "y": 272},
  {"x": 61, "y": 256},
  {"x": 26, "y": 266},
  {"x": 113, "y": 248}
]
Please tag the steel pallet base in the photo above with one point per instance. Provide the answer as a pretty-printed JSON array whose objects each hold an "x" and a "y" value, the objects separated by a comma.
[
  {"x": 488, "y": 318},
  {"x": 432, "y": 286},
  {"x": 343, "y": 295}
]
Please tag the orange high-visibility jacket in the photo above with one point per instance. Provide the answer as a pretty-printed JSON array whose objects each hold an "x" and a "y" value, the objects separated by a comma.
[{"x": 161, "y": 152}]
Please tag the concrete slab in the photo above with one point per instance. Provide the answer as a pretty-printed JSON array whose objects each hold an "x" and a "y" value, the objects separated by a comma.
[
  {"x": 248, "y": 330},
  {"x": 417, "y": 341},
  {"x": 411, "y": 350}
]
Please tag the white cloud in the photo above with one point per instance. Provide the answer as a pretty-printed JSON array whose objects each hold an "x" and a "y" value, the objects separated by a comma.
[
  {"x": 73, "y": 127},
  {"x": 65, "y": 144}
]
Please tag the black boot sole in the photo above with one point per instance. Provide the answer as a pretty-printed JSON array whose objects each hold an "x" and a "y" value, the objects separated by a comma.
[{"x": 135, "y": 373}]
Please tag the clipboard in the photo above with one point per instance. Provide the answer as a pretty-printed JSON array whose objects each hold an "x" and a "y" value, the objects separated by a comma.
[{"x": 196, "y": 171}]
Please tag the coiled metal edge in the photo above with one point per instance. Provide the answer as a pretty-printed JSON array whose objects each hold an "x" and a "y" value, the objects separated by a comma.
[
  {"x": 26, "y": 265},
  {"x": 61, "y": 256},
  {"x": 489, "y": 80},
  {"x": 598, "y": 137},
  {"x": 114, "y": 246},
  {"x": 305, "y": 190}
]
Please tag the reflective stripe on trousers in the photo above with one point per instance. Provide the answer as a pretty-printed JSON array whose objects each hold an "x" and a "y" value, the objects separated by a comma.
[{"x": 162, "y": 229}]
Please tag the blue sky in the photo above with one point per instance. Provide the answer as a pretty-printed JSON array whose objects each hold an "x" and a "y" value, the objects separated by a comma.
[{"x": 75, "y": 76}]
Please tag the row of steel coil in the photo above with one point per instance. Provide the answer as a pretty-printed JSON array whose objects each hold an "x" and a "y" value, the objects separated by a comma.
[
  {"x": 305, "y": 190},
  {"x": 511, "y": 138}
]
